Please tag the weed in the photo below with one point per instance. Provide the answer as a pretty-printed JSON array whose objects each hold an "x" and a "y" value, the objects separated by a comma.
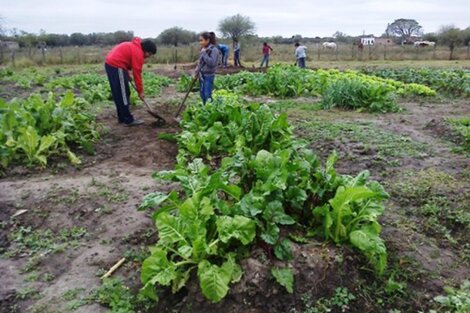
[{"x": 455, "y": 300}]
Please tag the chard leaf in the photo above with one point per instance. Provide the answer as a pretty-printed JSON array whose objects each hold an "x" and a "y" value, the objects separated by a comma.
[
  {"x": 214, "y": 279},
  {"x": 157, "y": 269},
  {"x": 239, "y": 227},
  {"x": 285, "y": 277},
  {"x": 283, "y": 250}
]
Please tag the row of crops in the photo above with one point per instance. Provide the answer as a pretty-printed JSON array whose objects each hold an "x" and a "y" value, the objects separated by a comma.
[
  {"x": 348, "y": 90},
  {"x": 57, "y": 120},
  {"x": 245, "y": 178},
  {"x": 373, "y": 91}
]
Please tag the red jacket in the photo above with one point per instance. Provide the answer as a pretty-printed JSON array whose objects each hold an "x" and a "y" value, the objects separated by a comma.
[{"x": 129, "y": 56}]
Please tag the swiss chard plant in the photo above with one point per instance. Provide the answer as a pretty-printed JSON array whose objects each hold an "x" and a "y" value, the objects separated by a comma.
[{"x": 243, "y": 177}]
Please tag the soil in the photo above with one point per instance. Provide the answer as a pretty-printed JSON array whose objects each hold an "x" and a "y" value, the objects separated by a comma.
[{"x": 102, "y": 195}]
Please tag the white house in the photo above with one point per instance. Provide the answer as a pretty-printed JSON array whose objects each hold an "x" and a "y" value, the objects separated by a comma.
[{"x": 368, "y": 41}]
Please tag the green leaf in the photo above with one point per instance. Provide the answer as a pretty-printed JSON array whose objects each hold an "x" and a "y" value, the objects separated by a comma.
[
  {"x": 271, "y": 233},
  {"x": 157, "y": 269},
  {"x": 214, "y": 280},
  {"x": 73, "y": 158},
  {"x": 285, "y": 277},
  {"x": 274, "y": 212},
  {"x": 239, "y": 227},
  {"x": 283, "y": 250},
  {"x": 170, "y": 229},
  {"x": 368, "y": 241}
]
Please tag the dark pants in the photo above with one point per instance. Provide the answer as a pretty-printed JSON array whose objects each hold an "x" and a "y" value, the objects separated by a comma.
[
  {"x": 206, "y": 84},
  {"x": 225, "y": 59},
  {"x": 301, "y": 62},
  {"x": 236, "y": 58},
  {"x": 119, "y": 82},
  {"x": 265, "y": 60}
]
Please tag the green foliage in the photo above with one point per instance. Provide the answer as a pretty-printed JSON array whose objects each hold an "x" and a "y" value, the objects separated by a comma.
[
  {"x": 456, "y": 300},
  {"x": 449, "y": 82},
  {"x": 119, "y": 298},
  {"x": 284, "y": 277},
  {"x": 243, "y": 177},
  {"x": 357, "y": 94},
  {"x": 348, "y": 89},
  {"x": 34, "y": 129},
  {"x": 462, "y": 127}
]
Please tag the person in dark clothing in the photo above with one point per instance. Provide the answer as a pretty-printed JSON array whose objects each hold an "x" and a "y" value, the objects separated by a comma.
[
  {"x": 207, "y": 64},
  {"x": 236, "y": 53},
  {"x": 125, "y": 57}
]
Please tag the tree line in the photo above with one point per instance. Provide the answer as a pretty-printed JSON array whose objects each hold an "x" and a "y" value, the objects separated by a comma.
[{"x": 401, "y": 31}]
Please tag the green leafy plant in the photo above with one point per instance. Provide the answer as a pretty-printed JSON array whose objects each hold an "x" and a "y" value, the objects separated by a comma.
[
  {"x": 34, "y": 129},
  {"x": 243, "y": 177}
]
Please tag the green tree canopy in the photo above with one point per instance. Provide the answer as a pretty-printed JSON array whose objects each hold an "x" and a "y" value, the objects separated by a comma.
[
  {"x": 236, "y": 26},
  {"x": 176, "y": 35}
]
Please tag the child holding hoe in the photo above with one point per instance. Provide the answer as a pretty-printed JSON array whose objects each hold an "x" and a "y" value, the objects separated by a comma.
[{"x": 207, "y": 65}]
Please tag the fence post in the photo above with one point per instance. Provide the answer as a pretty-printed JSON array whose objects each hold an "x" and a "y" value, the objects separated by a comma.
[
  {"x": 337, "y": 51},
  {"x": 43, "y": 51},
  {"x": 370, "y": 52},
  {"x": 78, "y": 56},
  {"x": 385, "y": 52},
  {"x": 61, "y": 54},
  {"x": 319, "y": 52},
  {"x": 13, "y": 56}
]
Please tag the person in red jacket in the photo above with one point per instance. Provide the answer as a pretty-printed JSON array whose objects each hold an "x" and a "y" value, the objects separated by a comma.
[{"x": 125, "y": 57}]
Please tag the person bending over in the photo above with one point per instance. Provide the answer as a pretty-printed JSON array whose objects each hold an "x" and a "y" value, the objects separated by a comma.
[{"x": 125, "y": 57}]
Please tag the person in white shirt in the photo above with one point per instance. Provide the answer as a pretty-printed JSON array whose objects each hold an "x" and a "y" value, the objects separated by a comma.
[{"x": 300, "y": 54}]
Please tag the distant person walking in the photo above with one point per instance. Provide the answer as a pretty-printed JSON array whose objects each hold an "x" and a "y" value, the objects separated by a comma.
[
  {"x": 125, "y": 57},
  {"x": 207, "y": 64},
  {"x": 266, "y": 52},
  {"x": 236, "y": 53},
  {"x": 300, "y": 54},
  {"x": 225, "y": 50}
]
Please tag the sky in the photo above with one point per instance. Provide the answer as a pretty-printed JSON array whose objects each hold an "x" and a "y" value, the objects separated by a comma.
[{"x": 272, "y": 17}]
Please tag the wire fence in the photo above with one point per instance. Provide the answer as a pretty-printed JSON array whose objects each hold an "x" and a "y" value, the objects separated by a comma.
[{"x": 24, "y": 57}]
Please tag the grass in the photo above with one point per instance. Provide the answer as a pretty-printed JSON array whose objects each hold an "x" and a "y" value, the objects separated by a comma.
[
  {"x": 370, "y": 137},
  {"x": 37, "y": 243}
]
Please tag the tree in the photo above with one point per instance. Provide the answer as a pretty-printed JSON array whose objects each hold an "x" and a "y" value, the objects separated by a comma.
[
  {"x": 430, "y": 37},
  {"x": 450, "y": 36},
  {"x": 236, "y": 26},
  {"x": 404, "y": 29},
  {"x": 176, "y": 35},
  {"x": 78, "y": 39}
]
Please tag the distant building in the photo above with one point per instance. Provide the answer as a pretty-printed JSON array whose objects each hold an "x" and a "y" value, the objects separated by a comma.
[
  {"x": 384, "y": 41},
  {"x": 368, "y": 41},
  {"x": 10, "y": 45}
]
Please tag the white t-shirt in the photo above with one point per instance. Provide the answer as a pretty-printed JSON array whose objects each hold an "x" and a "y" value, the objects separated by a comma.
[{"x": 301, "y": 52}]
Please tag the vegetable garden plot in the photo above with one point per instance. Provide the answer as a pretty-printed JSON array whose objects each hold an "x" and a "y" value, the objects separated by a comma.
[
  {"x": 34, "y": 129},
  {"x": 244, "y": 177},
  {"x": 348, "y": 90},
  {"x": 453, "y": 82}
]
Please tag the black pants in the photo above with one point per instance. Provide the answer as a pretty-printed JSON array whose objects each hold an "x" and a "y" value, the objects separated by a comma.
[
  {"x": 237, "y": 58},
  {"x": 119, "y": 82}
]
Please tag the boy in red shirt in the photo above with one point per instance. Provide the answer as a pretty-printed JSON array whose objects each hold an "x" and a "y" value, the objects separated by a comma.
[
  {"x": 266, "y": 52},
  {"x": 125, "y": 57}
]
